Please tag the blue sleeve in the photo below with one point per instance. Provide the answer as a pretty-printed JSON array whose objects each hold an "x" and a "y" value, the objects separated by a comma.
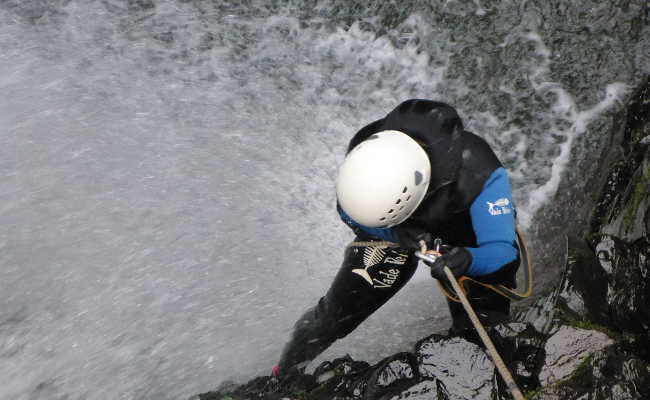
[
  {"x": 387, "y": 234},
  {"x": 493, "y": 220}
]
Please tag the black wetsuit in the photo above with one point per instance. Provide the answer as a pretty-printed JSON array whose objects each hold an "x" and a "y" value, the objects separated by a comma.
[{"x": 461, "y": 164}]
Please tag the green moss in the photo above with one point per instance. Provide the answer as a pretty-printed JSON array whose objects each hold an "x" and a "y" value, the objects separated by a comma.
[
  {"x": 532, "y": 393},
  {"x": 299, "y": 395},
  {"x": 591, "y": 326},
  {"x": 580, "y": 381}
]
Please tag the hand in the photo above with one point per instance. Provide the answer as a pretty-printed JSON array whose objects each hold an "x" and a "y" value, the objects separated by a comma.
[
  {"x": 458, "y": 259},
  {"x": 409, "y": 236}
]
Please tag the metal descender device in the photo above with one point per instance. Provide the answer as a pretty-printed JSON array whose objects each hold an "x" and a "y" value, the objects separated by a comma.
[{"x": 429, "y": 255}]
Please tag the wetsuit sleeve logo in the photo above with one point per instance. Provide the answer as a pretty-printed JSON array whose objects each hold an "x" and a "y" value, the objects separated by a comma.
[{"x": 499, "y": 207}]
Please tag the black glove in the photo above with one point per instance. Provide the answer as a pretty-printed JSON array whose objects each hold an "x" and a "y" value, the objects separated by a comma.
[
  {"x": 458, "y": 259},
  {"x": 409, "y": 236}
]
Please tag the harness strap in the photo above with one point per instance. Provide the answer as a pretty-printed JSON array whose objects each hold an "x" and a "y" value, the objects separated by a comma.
[
  {"x": 374, "y": 243},
  {"x": 464, "y": 281},
  {"x": 504, "y": 291}
]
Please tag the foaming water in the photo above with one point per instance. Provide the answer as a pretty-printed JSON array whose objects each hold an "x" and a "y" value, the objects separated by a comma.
[
  {"x": 168, "y": 179},
  {"x": 568, "y": 123}
]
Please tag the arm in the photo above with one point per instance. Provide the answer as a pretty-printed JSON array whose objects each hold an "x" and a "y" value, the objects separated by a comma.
[{"x": 493, "y": 221}]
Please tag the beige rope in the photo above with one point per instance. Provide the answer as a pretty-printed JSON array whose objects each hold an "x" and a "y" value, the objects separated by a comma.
[
  {"x": 494, "y": 354},
  {"x": 498, "y": 361}
]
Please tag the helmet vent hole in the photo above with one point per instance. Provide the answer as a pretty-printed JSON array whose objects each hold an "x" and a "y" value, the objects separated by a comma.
[
  {"x": 390, "y": 211},
  {"x": 408, "y": 198},
  {"x": 382, "y": 219},
  {"x": 401, "y": 208},
  {"x": 398, "y": 201},
  {"x": 394, "y": 216},
  {"x": 405, "y": 189},
  {"x": 418, "y": 177}
]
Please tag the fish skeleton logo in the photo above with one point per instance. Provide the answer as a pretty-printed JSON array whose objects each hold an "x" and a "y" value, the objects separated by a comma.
[
  {"x": 373, "y": 256},
  {"x": 501, "y": 206}
]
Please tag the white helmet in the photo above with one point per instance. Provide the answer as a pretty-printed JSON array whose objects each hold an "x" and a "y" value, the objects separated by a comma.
[{"x": 383, "y": 179}]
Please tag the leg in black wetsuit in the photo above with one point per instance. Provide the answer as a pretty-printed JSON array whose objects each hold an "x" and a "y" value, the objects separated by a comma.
[
  {"x": 491, "y": 307},
  {"x": 368, "y": 278}
]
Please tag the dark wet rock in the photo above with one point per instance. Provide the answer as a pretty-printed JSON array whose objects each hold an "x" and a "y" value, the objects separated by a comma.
[
  {"x": 622, "y": 210},
  {"x": 462, "y": 367},
  {"x": 425, "y": 390},
  {"x": 343, "y": 377},
  {"x": 583, "y": 292},
  {"x": 392, "y": 374},
  {"x": 587, "y": 339},
  {"x": 567, "y": 349},
  {"x": 619, "y": 228},
  {"x": 611, "y": 373},
  {"x": 522, "y": 348},
  {"x": 628, "y": 291},
  {"x": 267, "y": 388}
]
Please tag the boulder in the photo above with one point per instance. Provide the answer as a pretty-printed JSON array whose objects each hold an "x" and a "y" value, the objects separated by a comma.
[{"x": 566, "y": 349}]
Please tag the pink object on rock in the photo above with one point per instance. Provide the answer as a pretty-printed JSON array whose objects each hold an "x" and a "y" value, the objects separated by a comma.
[{"x": 275, "y": 371}]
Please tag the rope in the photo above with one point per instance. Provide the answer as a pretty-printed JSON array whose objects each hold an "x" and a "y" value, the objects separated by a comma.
[{"x": 496, "y": 358}]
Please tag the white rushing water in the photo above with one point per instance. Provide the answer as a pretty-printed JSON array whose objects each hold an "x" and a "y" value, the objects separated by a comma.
[{"x": 166, "y": 184}]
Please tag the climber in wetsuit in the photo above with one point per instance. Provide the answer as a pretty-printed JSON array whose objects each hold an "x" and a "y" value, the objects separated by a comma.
[{"x": 414, "y": 175}]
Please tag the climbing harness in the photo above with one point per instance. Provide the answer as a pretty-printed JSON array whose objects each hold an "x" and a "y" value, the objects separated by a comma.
[
  {"x": 374, "y": 243},
  {"x": 465, "y": 281}
]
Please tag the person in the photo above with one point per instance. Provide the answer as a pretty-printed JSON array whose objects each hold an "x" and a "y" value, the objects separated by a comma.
[{"x": 411, "y": 176}]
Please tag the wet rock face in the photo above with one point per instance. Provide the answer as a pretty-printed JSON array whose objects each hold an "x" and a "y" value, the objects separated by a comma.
[
  {"x": 610, "y": 373},
  {"x": 464, "y": 367},
  {"x": 616, "y": 377},
  {"x": 628, "y": 290},
  {"x": 623, "y": 208},
  {"x": 432, "y": 389},
  {"x": 395, "y": 372},
  {"x": 567, "y": 349},
  {"x": 441, "y": 367},
  {"x": 620, "y": 234},
  {"x": 583, "y": 291}
]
